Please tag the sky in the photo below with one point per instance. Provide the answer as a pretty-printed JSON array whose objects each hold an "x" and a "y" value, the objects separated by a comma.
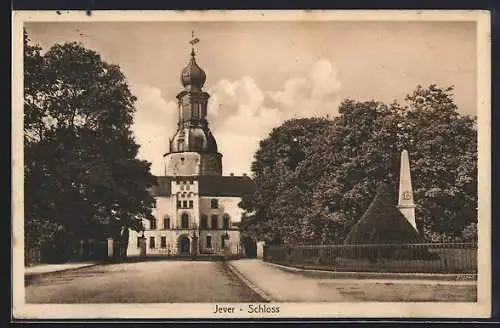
[{"x": 260, "y": 74}]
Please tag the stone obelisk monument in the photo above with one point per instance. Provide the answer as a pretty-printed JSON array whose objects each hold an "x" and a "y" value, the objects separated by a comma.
[{"x": 405, "y": 204}]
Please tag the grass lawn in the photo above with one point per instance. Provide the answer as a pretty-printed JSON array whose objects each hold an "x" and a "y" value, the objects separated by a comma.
[{"x": 402, "y": 292}]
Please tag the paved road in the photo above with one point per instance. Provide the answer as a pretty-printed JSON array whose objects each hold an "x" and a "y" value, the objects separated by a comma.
[{"x": 154, "y": 281}]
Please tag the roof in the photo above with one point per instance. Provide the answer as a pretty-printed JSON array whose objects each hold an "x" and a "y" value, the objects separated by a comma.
[
  {"x": 225, "y": 186},
  {"x": 193, "y": 74},
  {"x": 163, "y": 188},
  {"x": 213, "y": 186}
]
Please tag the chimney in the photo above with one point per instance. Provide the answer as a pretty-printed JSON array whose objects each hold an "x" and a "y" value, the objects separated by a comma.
[{"x": 231, "y": 174}]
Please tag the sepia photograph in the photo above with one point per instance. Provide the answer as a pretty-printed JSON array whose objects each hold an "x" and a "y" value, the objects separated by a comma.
[{"x": 251, "y": 164}]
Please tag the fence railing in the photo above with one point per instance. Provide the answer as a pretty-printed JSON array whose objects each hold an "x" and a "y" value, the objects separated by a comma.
[
  {"x": 230, "y": 250},
  {"x": 49, "y": 252},
  {"x": 408, "y": 258}
]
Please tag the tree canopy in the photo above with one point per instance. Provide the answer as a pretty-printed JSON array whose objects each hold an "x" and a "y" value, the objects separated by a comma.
[
  {"x": 81, "y": 170},
  {"x": 316, "y": 177}
]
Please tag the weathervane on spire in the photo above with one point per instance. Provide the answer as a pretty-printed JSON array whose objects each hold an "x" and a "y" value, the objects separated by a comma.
[{"x": 193, "y": 42}]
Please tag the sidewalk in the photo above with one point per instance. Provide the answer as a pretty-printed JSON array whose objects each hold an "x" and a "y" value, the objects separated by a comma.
[
  {"x": 281, "y": 285},
  {"x": 48, "y": 268}
]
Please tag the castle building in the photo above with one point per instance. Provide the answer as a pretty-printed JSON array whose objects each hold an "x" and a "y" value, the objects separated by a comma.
[{"x": 196, "y": 210}]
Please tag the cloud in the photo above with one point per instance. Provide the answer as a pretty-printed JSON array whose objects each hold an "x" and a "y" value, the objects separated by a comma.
[
  {"x": 154, "y": 123},
  {"x": 240, "y": 114},
  {"x": 313, "y": 95},
  {"x": 227, "y": 95}
]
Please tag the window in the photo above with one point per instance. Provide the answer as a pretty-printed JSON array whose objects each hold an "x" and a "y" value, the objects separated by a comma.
[
  {"x": 225, "y": 222},
  {"x": 184, "y": 221},
  {"x": 191, "y": 182},
  {"x": 182, "y": 186},
  {"x": 152, "y": 224},
  {"x": 215, "y": 223},
  {"x": 166, "y": 223},
  {"x": 179, "y": 204},
  {"x": 209, "y": 241},
  {"x": 151, "y": 242},
  {"x": 190, "y": 204},
  {"x": 187, "y": 186},
  {"x": 163, "y": 242},
  {"x": 222, "y": 241},
  {"x": 184, "y": 204},
  {"x": 214, "y": 203},
  {"x": 204, "y": 222},
  {"x": 180, "y": 145},
  {"x": 139, "y": 242}
]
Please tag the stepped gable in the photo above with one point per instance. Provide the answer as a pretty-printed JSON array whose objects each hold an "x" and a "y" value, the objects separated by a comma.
[{"x": 383, "y": 223}]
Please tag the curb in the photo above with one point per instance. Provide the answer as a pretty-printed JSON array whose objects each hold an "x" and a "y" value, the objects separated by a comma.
[
  {"x": 375, "y": 275},
  {"x": 249, "y": 284}
]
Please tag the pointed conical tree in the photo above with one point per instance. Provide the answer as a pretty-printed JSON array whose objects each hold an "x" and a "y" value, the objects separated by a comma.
[{"x": 383, "y": 224}]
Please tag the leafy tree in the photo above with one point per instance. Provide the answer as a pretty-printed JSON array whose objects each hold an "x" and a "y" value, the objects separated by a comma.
[
  {"x": 444, "y": 163},
  {"x": 38, "y": 228},
  {"x": 277, "y": 206},
  {"x": 319, "y": 196},
  {"x": 81, "y": 170}
]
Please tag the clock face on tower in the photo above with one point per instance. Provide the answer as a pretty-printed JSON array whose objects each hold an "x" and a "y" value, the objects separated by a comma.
[{"x": 406, "y": 195}]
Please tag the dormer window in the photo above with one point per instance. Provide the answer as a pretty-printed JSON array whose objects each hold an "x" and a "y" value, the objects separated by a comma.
[{"x": 214, "y": 203}]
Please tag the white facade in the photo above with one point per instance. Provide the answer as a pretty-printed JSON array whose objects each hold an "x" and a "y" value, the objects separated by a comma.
[{"x": 186, "y": 217}]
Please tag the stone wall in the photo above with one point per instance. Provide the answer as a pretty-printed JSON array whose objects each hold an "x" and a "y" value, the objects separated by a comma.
[
  {"x": 185, "y": 163},
  {"x": 193, "y": 163}
]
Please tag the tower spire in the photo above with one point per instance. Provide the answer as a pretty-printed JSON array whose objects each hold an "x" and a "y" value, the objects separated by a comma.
[{"x": 193, "y": 42}]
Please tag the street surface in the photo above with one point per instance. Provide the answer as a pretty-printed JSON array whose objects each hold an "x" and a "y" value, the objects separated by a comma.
[
  {"x": 141, "y": 282},
  {"x": 169, "y": 281}
]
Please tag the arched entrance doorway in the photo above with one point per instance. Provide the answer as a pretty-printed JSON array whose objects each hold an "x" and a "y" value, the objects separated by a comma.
[{"x": 184, "y": 245}]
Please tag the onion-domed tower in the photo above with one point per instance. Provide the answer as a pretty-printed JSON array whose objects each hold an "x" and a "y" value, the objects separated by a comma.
[{"x": 193, "y": 149}]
